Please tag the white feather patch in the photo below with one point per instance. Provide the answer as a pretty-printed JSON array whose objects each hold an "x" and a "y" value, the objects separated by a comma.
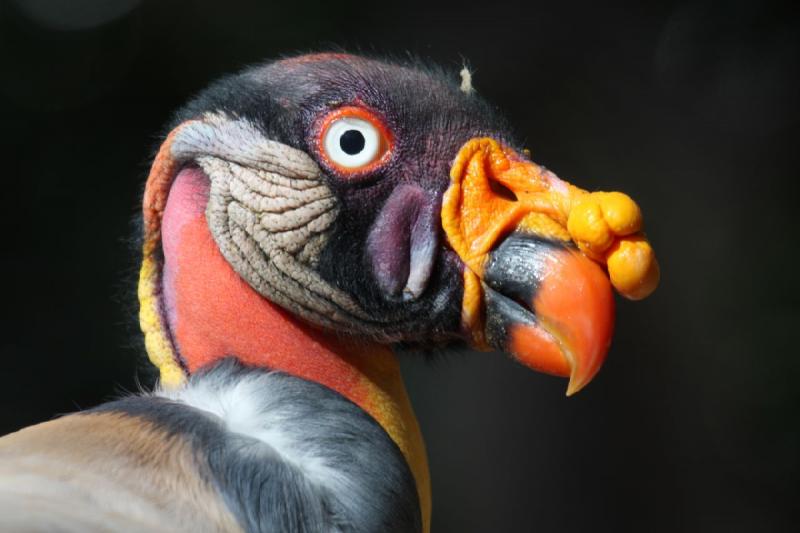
[{"x": 249, "y": 407}]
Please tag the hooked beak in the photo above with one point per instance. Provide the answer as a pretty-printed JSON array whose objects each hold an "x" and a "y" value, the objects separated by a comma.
[
  {"x": 534, "y": 287},
  {"x": 549, "y": 306}
]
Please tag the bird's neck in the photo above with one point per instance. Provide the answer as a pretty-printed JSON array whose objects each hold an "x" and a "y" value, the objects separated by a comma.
[{"x": 212, "y": 313}]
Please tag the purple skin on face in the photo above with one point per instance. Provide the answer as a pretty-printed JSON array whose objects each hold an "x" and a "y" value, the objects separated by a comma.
[{"x": 402, "y": 244}]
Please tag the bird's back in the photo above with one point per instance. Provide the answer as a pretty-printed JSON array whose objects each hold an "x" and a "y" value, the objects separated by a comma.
[
  {"x": 104, "y": 471},
  {"x": 238, "y": 449}
]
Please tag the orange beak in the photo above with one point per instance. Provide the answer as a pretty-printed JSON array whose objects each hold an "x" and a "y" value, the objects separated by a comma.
[
  {"x": 537, "y": 257},
  {"x": 549, "y": 306}
]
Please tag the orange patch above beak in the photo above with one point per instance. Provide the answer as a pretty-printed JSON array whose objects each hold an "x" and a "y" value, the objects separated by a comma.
[{"x": 528, "y": 291}]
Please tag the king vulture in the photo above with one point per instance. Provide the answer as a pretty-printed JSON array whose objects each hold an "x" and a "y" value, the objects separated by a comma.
[{"x": 301, "y": 218}]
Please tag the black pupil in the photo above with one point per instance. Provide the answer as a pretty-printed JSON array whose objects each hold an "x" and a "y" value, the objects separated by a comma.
[{"x": 352, "y": 142}]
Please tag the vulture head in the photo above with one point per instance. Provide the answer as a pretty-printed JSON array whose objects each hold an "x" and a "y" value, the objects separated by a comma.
[{"x": 306, "y": 214}]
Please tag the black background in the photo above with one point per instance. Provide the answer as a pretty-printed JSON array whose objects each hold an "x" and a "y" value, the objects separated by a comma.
[{"x": 689, "y": 107}]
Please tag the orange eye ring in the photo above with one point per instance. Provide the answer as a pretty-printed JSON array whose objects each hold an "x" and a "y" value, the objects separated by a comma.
[{"x": 354, "y": 141}]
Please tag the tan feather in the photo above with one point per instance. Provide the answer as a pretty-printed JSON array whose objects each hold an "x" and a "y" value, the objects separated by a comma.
[{"x": 99, "y": 472}]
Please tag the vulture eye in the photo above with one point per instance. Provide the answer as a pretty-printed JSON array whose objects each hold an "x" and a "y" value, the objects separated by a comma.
[{"x": 353, "y": 140}]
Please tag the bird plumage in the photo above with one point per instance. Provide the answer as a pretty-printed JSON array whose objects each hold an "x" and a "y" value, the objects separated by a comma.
[{"x": 236, "y": 449}]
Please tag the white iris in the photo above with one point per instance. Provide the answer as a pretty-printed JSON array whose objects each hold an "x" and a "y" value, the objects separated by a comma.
[{"x": 352, "y": 142}]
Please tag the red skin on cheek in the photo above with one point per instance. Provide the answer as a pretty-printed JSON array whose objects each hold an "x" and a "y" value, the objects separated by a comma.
[{"x": 213, "y": 313}]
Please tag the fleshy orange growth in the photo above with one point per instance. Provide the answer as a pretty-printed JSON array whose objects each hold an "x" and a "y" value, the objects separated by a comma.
[{"x": 494, "y": 191}]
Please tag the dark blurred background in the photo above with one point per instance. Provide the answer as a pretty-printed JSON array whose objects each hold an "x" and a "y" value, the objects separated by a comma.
[{"x": 690, "y": 107}]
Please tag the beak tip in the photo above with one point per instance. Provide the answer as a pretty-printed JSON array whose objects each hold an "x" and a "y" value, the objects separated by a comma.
[
  {"x": 581, "y": 300},
  {"x": 573, "y": 387},
  {"x": 577, "y": 384}
]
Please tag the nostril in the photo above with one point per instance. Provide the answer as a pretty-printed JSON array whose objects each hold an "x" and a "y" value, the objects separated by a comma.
[{"x": 502, "y": 191}]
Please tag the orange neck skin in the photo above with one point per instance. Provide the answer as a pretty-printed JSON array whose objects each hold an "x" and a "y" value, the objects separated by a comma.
[{"x": 213, "y": 313}]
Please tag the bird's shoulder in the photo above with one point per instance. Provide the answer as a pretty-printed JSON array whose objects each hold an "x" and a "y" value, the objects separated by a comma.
[{"x": 236, "y": 449}]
